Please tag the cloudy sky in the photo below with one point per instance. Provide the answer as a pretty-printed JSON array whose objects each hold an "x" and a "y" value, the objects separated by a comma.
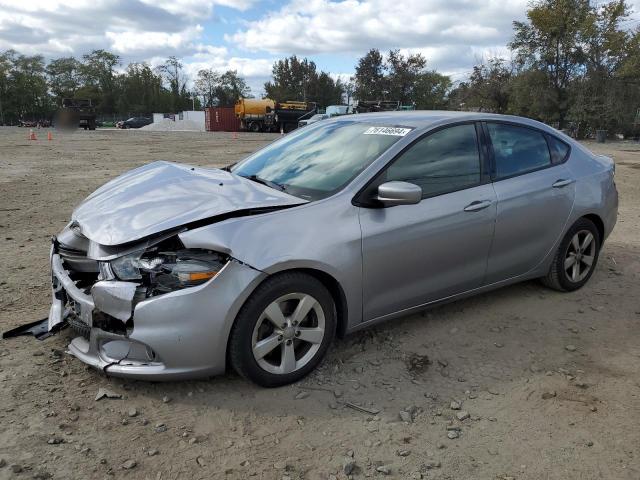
[{"x": 248, "y": 35}]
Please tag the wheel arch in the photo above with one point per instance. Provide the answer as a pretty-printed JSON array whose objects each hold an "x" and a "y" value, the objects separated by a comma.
[
  {"x": 597, "y": 221},
  {"x": 330, "y": 283},
  {"x": 336, "y": 291}
]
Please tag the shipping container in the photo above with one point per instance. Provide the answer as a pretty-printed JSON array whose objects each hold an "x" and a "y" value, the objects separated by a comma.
[{"x": 221, "y": 119}]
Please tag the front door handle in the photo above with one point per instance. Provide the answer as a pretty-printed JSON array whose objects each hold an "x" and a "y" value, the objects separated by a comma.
[
  {"x": 563, "y": 182},
  {"x": 477, "y": 205}
]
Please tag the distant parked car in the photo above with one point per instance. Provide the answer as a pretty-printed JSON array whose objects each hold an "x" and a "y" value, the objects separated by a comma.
[
  {"x": 316, "y": 118},
  {"x": 336, "y": 110},
  {"x": 134, "y": 122}
]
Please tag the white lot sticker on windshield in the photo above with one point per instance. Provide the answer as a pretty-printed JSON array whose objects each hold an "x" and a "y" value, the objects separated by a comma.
[{"x": 398, "y": 132}]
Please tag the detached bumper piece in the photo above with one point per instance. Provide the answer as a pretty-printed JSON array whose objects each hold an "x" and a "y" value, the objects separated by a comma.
[{"x": 39, "y": 329}]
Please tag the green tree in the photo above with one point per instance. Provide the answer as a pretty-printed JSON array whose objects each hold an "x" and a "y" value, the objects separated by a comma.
[
  {"x": 64, "y": 75},
  {"x": 220, "y": 89},
  {"x": 99, "y": 78},
  {"x": 400, "y": 78},
  {"x": 488, "y": 88},
  {"x": 597, "y": 94},
  {"x": 231, "y": 88},
  {"x": 403, "y": 75},
  {"x": 430, "y": 91},
  {"x": 299, "y": 80},
  {"x": 141, "y": 91},
  {"x": 5, "y": 72},
  {"x": 205, "y": 85},
  {"x": 181, "y": 98},
  {"x": 550, "y": 42},
  {"x": 27, "y": 93},
  {"x": 370, "y": 82}
]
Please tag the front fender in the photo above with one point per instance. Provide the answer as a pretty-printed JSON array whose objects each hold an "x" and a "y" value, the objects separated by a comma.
[{"x": 323, "y": 236}]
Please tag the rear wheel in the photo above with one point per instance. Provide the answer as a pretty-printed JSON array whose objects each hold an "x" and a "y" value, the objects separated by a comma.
[
  {"x": 283, "y": 331},
  {"x": 254, "y": 127},
  {"x": 576, "y": 257}
]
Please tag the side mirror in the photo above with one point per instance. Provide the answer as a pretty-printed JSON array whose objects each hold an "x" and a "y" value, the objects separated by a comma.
[{"x": 399, "y": 193}]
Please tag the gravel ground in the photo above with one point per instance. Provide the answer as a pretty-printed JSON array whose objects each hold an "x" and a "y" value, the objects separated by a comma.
[{"x": 520, "y": 383}]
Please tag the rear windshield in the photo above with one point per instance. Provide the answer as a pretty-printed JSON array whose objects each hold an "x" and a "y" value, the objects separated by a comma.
[{"x": 317, "y": 161}]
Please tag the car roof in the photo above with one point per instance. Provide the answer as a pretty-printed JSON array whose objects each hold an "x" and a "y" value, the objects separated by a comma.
[{"x": 425, "y": 118}]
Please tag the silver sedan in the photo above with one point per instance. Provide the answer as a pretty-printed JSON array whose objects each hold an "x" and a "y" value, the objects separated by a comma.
[{"x": 172, "y": 271}]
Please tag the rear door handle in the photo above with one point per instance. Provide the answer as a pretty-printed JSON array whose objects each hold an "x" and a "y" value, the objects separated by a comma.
[
  {"x": 477, "y": 205},
  {"x": 563, "y": 182}
]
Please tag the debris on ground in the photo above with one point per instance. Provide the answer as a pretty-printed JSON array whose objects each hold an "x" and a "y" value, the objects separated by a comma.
[
  {"x": 129, "y": 464},
  {"x": 106, "y": 393},
  {"x": 370, "y": 411}
]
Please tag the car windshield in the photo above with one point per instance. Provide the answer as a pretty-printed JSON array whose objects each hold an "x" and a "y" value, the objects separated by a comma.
[{"x": 317, "y": 161}]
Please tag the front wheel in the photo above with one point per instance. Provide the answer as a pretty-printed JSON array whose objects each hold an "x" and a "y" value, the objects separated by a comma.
[
  {"x": 283, "y": 331},
  {"x": 576, "y": 257}
]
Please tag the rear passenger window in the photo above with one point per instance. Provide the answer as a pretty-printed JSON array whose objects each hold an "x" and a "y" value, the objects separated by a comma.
[
  {"x": 559, "y": 150},
  {"x": 517, "y": 149},
  {"x": 442, "y": 162}
]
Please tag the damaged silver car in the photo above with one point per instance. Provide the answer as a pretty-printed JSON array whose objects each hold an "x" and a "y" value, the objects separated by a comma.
[{"x": 172, "y": 271}]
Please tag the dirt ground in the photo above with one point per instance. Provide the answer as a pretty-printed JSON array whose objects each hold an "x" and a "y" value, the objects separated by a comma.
[{"x": 550, "y": 381}]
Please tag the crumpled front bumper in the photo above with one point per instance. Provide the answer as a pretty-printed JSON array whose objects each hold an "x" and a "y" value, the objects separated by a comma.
[{"x": 178, "y": 335}]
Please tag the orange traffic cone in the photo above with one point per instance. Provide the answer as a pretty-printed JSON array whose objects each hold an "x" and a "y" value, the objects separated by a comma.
[
  {"x": 49, "y": 136},
  {"x": 32, "y": 135}
]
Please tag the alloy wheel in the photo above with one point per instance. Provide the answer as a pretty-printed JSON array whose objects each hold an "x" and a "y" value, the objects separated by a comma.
[
  {"x": 288, "y": 333},
  {"x": 580, "y": 255}
]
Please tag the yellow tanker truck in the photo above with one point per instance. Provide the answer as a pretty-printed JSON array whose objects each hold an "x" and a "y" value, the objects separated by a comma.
[{"x": 266, "y": 115}]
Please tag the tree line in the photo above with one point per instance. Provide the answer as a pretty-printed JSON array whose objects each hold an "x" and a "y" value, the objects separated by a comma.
[
  {"x": 571, "y": 64},
  {"x": 31, "y": 89}
]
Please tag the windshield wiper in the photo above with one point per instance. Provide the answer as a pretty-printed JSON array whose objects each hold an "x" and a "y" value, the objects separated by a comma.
[
  {"x": 264, "y": 181},
  {"x": 229, "y": 167}
]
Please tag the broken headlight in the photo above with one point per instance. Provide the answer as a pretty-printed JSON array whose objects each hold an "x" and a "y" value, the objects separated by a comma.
[{"x": 163, "y": 270}]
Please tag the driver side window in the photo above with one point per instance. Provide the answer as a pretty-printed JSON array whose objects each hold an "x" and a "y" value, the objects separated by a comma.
[{"x": 442, "y": 162}]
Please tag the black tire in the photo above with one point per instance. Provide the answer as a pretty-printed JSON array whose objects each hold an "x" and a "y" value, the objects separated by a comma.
[
  {"x": 254, "y": 127},
  {"x": 240, "y": 350},
  {"x": 558, "y": 278}
]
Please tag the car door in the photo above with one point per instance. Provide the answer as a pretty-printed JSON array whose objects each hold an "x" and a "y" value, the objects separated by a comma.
[
  {"x": 415, "y": 254},
  {"x": 535, "y": 193}
]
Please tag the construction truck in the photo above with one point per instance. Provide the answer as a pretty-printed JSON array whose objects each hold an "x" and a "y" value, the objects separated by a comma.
[
  {"x": 76, "y": 113},
  {"x": 267, "y": 115}
]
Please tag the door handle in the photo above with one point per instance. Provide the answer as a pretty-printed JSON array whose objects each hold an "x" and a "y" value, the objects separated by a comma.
[
  {"x": 563, "y": 182},
  {"x": 477, "y": 205}
]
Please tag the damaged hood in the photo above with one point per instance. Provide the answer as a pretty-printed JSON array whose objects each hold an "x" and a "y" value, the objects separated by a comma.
[{"x": 162, "y": 196}]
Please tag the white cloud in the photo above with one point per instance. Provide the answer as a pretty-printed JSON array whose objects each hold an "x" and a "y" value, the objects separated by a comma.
[
  {"x": 137, "y": 30},
  {"x": 128, "y": 27},
  {"x": 255, "y": 71},
  {"x": 315, "y": 26},
  {"x": 130, "y": 42}
]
